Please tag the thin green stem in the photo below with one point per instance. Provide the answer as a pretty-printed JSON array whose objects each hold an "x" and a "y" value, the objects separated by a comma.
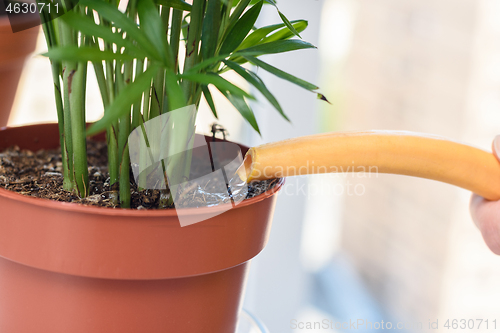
[
  {"x": 56, "y": 72},
  {"x": 159, "y": 82},
  {"x": 101, "y": 78},
  {"x": 139, "y": 67},
  {"x": 136, "y": 108},
  {"x": 175, "y": 35},
  {"x": 144, "y": 155},
  {"x": 125, "y": 170},
  {"x": 76, "y": 92},
  {"x": 51, "y": 39},
  {"x": 110, "y": 79},
  {"x": 124, "y": 131},
  {"x": 101, "y": 81},
  {"x": 166, "y": 198},
  {"x": 111, "y": 131},
  {"x": 77, "y": 107},
  {"x": 193, "y": 41},
  {"x": 147, "y": 97},
  {"x": 165, "y": 18},
  {"x": 157, "y": 94},
  {"x": 68, "y": 71},
  {"x": 113, "y": 164},
  {"x": 226, "y": 12}
]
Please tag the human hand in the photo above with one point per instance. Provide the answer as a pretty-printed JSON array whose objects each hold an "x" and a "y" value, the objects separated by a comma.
[{"x": 486, "y": 214}]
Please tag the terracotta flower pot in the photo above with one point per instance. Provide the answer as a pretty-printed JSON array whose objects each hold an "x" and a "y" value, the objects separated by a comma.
[
  {"x": 72, "y": 268},
  {"x": 14, "y": 49}
]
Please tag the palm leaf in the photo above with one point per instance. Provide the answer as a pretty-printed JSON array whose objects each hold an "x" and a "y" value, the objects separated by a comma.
[
  {"x": 281, "y": 74},
  {"x": 211, "y": 27},
  {"x": 256, "y": 81},
  {"x": 284, "y": 19},
  {"x": 243, "y": 108},
  {"x": 279, "y": 46},
  {"x": 258, "y": 35},
  {"x": 285, "y": 33},
  {"x": 84, "y": 54},
  {"x": 154, "y": 29},
  {"x": 218, "y": 81},
  {"x": 210, "y": 100},
  {"x": 89, "y": 27},
  {"x": 126, "y": 24},
  {"x": 241, "y": 29}
]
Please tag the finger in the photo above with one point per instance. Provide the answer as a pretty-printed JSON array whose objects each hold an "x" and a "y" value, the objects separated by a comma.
[
  {"x": 486, "y": 217},
  {"x": 475, "y": 203},
  {"x": 496, "y": 147}
]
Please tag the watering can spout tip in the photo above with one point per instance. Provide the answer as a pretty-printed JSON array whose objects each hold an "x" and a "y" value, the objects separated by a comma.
[{"x": 245, "y": 170}]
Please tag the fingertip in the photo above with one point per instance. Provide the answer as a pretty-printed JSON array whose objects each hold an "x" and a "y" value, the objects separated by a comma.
[
  {"x": 496, "y": 147},
  {"x": 491, "y": 235},
  {"x": 484, "y": 215},
  {"x": 476, "y": 202}
]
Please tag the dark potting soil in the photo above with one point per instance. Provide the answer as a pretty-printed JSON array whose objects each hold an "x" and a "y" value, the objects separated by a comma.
[{"x": 38, "y": 174}]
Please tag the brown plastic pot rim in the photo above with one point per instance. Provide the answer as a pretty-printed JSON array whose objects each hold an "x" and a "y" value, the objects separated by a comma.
[{"x": 75, "y": 207}]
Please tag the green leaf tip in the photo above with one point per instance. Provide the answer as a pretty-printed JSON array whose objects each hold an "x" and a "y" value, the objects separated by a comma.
[{"x": 323, "y": 98}]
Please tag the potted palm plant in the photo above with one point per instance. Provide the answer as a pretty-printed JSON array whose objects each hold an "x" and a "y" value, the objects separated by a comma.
[{"x": 73, "y": 268}]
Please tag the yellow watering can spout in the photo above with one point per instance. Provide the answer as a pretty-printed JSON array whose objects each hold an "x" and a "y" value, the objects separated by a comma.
[{"x": 394, "y": 152}]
